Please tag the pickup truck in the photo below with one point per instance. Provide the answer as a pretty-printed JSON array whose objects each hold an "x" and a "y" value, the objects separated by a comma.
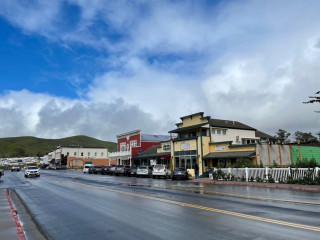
[{"x": 1, "y": 172}]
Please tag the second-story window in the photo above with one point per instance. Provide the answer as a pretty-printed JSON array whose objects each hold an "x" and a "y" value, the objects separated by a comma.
[
  {"x": 182, "y": 135},
  {"x": 122, "y": 147},
  {"x": 213, "y": 131},
  {"x": 192, "y": 134},
  {"x": 133, "y": 143},
  {"x": 88, "y": 154},
  {"x": 224, "y": 132},
  {"x": 218, "y": 131},
  {"x": 204, "y": 132},
  {"x": 82, "y": 154},
  {"x": 95, "y": 154},
  {"x": 75, "y": 154}
]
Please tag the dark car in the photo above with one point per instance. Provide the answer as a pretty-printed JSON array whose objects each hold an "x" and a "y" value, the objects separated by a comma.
[
  {"x": 133, "y": 172},
  {"x": 96, "y": 169},
  {"x": 105, "y": 170},
  {"x": 180, "y": 173},
  {"x": 119, "y": 170},
  {"x": 127, "y": 170}
]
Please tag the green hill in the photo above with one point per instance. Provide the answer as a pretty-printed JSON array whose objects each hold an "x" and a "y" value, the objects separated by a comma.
[{"x": 32, "y": 146}]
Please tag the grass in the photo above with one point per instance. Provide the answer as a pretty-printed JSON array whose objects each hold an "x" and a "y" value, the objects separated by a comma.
[{"x": 32, "y": 146}]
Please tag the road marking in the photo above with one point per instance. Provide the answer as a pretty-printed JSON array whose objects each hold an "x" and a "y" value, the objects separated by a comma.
[
  {"x": 251, "y": 217},
  {"x": 221, "y": 193}
]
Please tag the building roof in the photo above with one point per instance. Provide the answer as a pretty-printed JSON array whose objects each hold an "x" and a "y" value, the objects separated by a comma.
[
  {"x": 239, "y": 154},
  {"x": 177, "y": 130},
  {"x": 263, "y": 135},
  {"x": 229, "y": 124},
  {"x": 152, "y": 152},
  {"x": 154, "y": 138}
]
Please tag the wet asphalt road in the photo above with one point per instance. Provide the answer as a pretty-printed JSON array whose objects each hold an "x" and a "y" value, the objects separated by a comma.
[{"x": 73, "y": 205}]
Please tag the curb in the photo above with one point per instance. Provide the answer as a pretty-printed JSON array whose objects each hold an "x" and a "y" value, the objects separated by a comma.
[
  {"x": 300, "y": 188},
  {"x": 15, "y": 218}
]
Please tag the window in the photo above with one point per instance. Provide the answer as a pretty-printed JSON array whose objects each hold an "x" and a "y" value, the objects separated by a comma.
[
  {"x": 182, "y": 162},
  {"x": 204, "y": 132},
  {"x": 95, "y": 154},
  {"x": 213, "y": 131},
  {"x": 192, "y": 134},
  {"x": 139, "y": 152},
  {"x": 122, "y": 147},
  {"x": 237, "y": 138},
  {"x": 88, "y": 154},
  {"x": 182, "y": 135},
  {"x": 133, "y": 143},
  {"x": 75, "y": 154},
  {"x": 177, "y": 162},
  {"x": 188, "y": 161},
  {"x": 218, "y": 131},
  {"x": 101, "y": 154},
  {"x": 253, "y": 141},
  {"x": 67, "y": 153},
  {"x": 224, "y": 132},
  {"x": 248, "y": 141},
  {"x": 82, "y": 154}
]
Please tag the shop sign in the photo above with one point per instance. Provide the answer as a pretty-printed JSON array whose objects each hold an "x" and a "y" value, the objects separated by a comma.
[
  {"x": 185, "y": 146},
  {"x": 220, "y": 148}
]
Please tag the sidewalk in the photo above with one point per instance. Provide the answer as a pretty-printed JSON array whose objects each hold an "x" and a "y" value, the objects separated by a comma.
[
  {"x": 10, "y": 227},
  {"x": 312, "y": 188}
]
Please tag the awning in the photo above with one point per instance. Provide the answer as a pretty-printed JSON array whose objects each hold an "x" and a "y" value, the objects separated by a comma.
[{"x": 239, "y": 154}]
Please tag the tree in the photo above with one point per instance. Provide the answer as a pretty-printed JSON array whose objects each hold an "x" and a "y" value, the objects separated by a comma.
[
  {"x": 314, "y": 99},
  {"x": 304, "y": 137},
  {"x": 283, "y": 135}
]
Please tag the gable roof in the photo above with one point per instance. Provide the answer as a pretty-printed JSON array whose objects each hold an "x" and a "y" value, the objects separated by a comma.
[
  {"x": 229, "y": 124},
  {"x": 263, "y": 135}
]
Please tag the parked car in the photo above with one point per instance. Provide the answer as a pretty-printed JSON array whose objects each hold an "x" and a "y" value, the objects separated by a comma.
[
  {"x": 180, "y": 173},
  {"x": 161, "y": 170},
  {"x": 61, "y": 167},
  {"x": 32, "y": 171},
  {"x": 98, "y": 169},
  {"x": 50, "y": 168},
  {"x": 1, "y": 172},
  {"x": 119, "y": 170},
  {"x": 112, "y": 169},
  {"x": 105, "y": 170},
  {"x": 144, "y": 171},
  {"x": 133, "y": 172},
  {"x": 127, "y": 170},
  {"x": 15, "y": 167},
  {"x": 86, "y": 167}
]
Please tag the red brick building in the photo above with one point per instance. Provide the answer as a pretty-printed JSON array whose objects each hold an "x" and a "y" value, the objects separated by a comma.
[{"x": 132, "y": 144}]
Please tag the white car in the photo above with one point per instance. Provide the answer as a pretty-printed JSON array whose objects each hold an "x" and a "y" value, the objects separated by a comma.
[
  {"x": 32, "y": 171},
  {"x": 86, "y": 167},
  {"x": 161, "y": 170},
  {"x": 144, "y": 171}
]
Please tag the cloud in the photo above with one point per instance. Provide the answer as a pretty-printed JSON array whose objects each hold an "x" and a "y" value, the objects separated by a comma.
[
  {"x": 251, "y": 61},
  {"x": 56, "y": 117}
]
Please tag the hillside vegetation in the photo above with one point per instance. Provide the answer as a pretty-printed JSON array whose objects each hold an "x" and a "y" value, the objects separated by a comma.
[{"x": 32, "y": 146}]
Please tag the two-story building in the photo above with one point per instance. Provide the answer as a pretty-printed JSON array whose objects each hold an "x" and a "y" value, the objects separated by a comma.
[
  {"x": 132, "y": 144},
  {"x": 210, "y": 142},
  {"x": 76, "y": 156}
]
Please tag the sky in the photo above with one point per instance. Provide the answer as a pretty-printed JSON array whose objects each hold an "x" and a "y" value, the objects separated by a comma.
[{"x": 101, "y": 68}]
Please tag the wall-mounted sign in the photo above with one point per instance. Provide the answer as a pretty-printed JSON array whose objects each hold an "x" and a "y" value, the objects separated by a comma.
[
  {"x": 220, "y": 148},
  {"x": 185, "y": 146}
]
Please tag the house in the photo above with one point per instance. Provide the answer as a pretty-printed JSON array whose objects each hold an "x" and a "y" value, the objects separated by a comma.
[{"x": 132, "y": 144}]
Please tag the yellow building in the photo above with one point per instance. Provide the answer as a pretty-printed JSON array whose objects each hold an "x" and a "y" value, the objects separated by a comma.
[
  {"x": 192, "y": 142},
  {"x": 212, "y": 142}
]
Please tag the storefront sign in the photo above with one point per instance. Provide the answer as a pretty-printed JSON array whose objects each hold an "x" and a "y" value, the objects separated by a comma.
[
  {"x": 220, "y": 148},
  {"x": 185, "y": 146}
]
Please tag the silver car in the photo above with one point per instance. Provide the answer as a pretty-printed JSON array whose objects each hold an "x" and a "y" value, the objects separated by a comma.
[
  {"x": 161, "y": 170},
  {"x": 144, "y": 171}
]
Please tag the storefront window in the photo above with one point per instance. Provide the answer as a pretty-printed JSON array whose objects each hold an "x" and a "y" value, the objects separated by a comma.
[
  {"x": 188, "y": 160},
  {"x": 177, "y": 162},
  {"x": 182, "y": 162},
  {"x": 194, "y": 160}
]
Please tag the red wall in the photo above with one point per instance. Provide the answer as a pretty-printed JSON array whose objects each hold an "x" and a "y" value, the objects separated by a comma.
[
  {"x": 144, "y": 146},
  {"x": 131, "y": 138}
]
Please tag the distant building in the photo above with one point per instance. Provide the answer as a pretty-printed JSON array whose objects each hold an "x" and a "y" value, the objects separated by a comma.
[
  {"x": 76, "y": 156},
  {"x": 133, "y": 144}
]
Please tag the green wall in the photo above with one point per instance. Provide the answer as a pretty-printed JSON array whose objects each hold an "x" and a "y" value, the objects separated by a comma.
[{"x": 307, "y": 152}]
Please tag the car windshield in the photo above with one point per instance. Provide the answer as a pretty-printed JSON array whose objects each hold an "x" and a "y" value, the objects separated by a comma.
[
  {"x": 142, "y": 167},
  {"x": 32, "y": 168}
]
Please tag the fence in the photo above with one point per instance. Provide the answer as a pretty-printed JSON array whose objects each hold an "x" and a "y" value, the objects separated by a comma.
[{"x": 278, "y": 174}]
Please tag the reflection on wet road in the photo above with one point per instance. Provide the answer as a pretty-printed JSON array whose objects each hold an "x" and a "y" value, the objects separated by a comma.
[{"x": 72, "y": 205}]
